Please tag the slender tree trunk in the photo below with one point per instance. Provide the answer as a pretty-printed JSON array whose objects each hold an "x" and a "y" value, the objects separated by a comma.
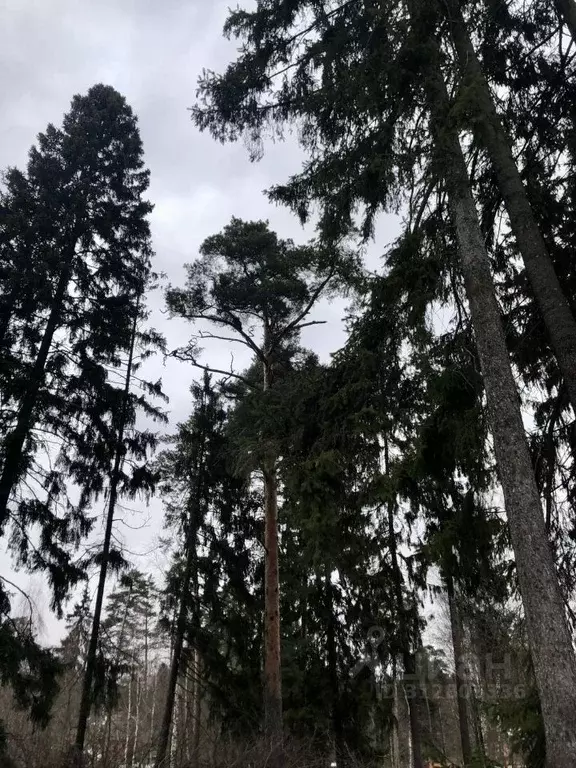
[
  {"x": 169, "y": 705},
  {"x": 15, "y": 441},
  {"x": 181, "y": 620},
  {"x": 85, "y": 700},
  {"x": 408, "y": 658},
  {"x": 430, "y": 741},
  {"x": 440, "y": 721},
  {"x": 187, "y": 726},
  {"x": 410, "y": 738},
  {"x": 478, "y": 734},
  {"x": 548, "y": 632},
  {"x": 108, "y": 734},
  {"x": 461, "y": 683},
  {"x": 136, "y": 718},
  {"x": 556, "y": 312},
  {"x": 6, "y": 310},
  {"x": 128, "y": 721},
  {"x": 394, "y": 738},
  {"x": 272, "y": 669},
  {"x": 174, "y": 734},
  {"x": 332, "y": 655},
  {"x": 272, "y": 651},
  {"x": 196, "y": 710},
  {"x": 153, "y": 711},
  {"x": 567, "y": 11}
]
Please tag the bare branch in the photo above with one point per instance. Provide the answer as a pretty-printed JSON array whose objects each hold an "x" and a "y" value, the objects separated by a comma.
[
  {"x": 180, "y": 355},
  {"x": 233, "y": 323},
  {"x": 297, "y": 320}
]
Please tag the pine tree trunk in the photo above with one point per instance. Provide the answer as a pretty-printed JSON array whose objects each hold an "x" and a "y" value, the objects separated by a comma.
[
  {"x": 85, "y": 700},
  {"x": 408, "y": 658},
  {"x": 556, "y": 312},
  {"x": 272, "y": 650},
  {"x": 461, "y": 684},
  {"x": 272, "y": 673},
  {"x": 16, "y": 440},
  {"x": 548, "y": 632}
]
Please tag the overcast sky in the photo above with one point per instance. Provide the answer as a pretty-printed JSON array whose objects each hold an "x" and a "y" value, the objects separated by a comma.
[{"x": 152, "y": 52}]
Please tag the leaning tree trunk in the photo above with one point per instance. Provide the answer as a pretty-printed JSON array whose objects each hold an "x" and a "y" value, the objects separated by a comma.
[
  {"x": 548, "y": 632},
  {"x": 272, "y": 652},
  {"x": 85, "y": 700},
  {"x": 16, "y": 439},
  {"x": 462, "y": 685},
  {"x": 489, "y": 130}
]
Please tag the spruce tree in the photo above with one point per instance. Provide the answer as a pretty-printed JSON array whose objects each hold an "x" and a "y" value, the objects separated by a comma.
[
  {"x": 365, "y": 141},
  {"x": 76, "y": 234}
]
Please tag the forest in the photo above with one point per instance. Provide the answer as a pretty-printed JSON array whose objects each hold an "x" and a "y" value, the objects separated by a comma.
[{"x": 371, "y": 558}]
